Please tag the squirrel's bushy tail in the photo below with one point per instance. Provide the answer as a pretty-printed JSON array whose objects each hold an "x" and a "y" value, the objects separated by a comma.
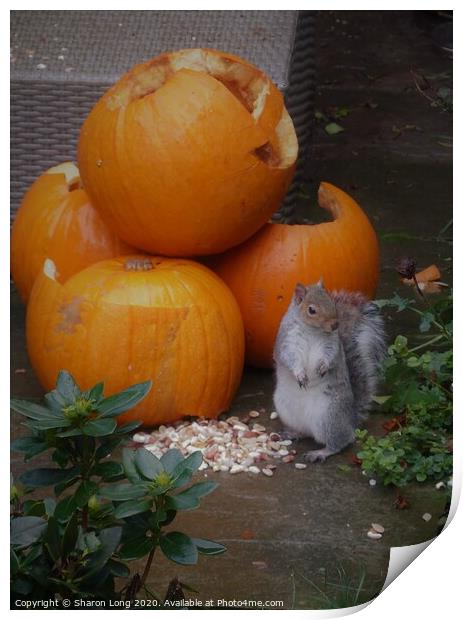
[{"x": 364, "y": 341}]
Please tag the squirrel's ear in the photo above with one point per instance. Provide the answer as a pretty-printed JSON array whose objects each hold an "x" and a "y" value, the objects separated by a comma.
[
  {"x": 320, "y": 282},
  {"x": 299, "y": 293}
]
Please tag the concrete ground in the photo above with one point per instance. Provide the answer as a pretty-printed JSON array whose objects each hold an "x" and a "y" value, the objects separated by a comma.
[{"x": 394, "y": 157}]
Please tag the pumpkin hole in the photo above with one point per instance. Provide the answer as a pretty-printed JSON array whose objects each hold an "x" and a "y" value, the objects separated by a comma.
[
  {"x": 267, "y": 155},
  {"x": 245, "y": 83},
  {"x": 76, "y": 184}
]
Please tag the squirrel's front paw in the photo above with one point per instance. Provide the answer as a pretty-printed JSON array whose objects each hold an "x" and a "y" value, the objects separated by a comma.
[
  {"x": 302, "y": 379},
  {"x": 322, "y": 368}
]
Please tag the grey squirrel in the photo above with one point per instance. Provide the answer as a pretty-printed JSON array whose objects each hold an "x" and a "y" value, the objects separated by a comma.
[{"x": 327, "y": 355}]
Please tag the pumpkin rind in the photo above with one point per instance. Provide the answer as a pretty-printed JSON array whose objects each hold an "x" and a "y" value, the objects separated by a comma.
[
  {"x": 176, "y": 324},
  {"x": 188, "y": 154},
  {"x": 57, "y": 220},
  {"x": 263, "y": 272}
]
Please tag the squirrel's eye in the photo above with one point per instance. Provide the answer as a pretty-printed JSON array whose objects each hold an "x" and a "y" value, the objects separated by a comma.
[{"x": 312, "y": 310}]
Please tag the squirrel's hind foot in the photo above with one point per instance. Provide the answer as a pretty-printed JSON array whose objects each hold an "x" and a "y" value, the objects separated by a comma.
[{"x": 318, "y": 455}]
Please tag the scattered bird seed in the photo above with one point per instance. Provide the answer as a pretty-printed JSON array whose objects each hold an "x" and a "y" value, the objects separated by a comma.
[
  {"x": 141, "y": 438},
  {"x": 235, "y": 469},
  {"x": 300, "y": 465},
  {"x": 273, "y": 415},
  {"x": 372, "y": 482},
  {"x": 374, "y": 535},
  {"x": 377, "y": 527},
  {"x": 254, "y": 414},
  {"x": 440, "y": 485},
  {"x": 41, "y": 66},
  {"x": 228, "y": 445},
  {"x": 426, "y": 516}
]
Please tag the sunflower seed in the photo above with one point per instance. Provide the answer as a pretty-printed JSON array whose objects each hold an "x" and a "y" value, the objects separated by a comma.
[
  {"x": 374, "y": 535},
  {"x": 377, "y": 527}
]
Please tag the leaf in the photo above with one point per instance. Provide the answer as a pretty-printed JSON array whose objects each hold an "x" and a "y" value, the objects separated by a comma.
[
  {"x": 29, "y": 446},
  {"x": 333, "y": 128},
  {"x": 69, "y": 536},
  {"x": 62, "y": 486},
  {"x": 74, "y": 432},
  {"x": 398, "y": 236},
  {"x": 84, "y": 492},
  {"x": 208, "y": 547},
  {"x": 46, "y": 424},
  {"x": 118, "y": 569},
  {"x": 96, "y": 392},
  {"x": 344, "y": 468},
  {"x": 55, "y": 401},
  {"x": 179, "y": 548},
  {"x": 22, "y": 586},
  {"x": 31, "y": 410},
  {"x": 34, "y": 508},
  {"x": 109, "y": 539},
  {"x": 123, "y": 492},
  {"x": 108, "y": 445},
  {"x": 65, "y": 508},
  {"x": 34, "y": 552},
  {"x": 43, "y": 477},
  {"x": 426, "y": 321},
  {"x": 49, "y": 505},
  {"x": 171, "y": 459},
  {"x": 132, "y": 507},
  {"x": 136, "y": 548},
  {"x": 128, "y": 457},
  {"x": 118, "y": 403},
  {"x": 52, "y": 539},
  {"x": 99, "y": 427},
  {"x": 87, "y": 541},
  {"x": 67, "y": 387},
  {"x": 14, "y": 562},
  {"x": 128, "y": 427},
  {"x": 147, "y": 464},
  {"x": 189, "y": 499},
  {"x": 108, "y": 470},
  {"x": 186, "y": 468},
  {"x": 26, "y": 530}
]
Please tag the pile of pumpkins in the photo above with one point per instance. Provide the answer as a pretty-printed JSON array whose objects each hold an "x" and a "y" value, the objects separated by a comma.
[{"x": 185, "y": 158}]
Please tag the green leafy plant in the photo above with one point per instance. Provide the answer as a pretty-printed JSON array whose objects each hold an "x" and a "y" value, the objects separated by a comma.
[
  {"x": 417, "y": 445},
  {"x": 79, "y": 543}
]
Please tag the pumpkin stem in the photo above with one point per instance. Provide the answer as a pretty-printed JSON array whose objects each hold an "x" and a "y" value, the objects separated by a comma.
[{"x": 138, "y": 264}]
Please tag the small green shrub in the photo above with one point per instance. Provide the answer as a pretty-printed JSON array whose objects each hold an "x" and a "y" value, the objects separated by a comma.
[
  {"x": 78, "y": 544},
  {"x": 419, "y": 383}
]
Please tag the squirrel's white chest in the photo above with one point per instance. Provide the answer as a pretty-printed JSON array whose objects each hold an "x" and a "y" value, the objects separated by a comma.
[{"x": 302, "y": 410}]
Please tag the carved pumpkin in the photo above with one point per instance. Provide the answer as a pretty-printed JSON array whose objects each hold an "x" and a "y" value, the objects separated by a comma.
[
  {"x": 131, "y": 319},
  {"x": 188, "y": 154},
  {"x": 263, "y": 272},
  {"x": 56, "y": 220}
]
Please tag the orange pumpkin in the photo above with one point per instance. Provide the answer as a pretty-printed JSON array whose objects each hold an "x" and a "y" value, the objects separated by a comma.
[
  {"x": 56, "y": 220},
  {"x": 188, "y": 154},
  {"x": 263, "y": 272},
  {"x": 130, "y": 319}
]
